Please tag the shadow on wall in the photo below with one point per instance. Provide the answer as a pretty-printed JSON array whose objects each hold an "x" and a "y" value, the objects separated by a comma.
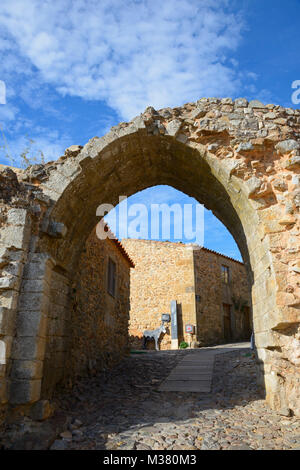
[{"x": 180, "y": 330}]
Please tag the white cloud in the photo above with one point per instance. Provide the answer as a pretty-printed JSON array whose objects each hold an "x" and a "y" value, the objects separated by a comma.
[
  {"x": 8, "y": 112},
  {"x": 128, "y": 54},
  {"x": 50, "y": 143}
]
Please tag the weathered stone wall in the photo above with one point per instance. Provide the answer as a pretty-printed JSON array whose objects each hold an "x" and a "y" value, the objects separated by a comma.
[
  {"x": 212, "y": 293},
  {"x": 163, "y": 272},
  {"x": 240, "y": 159},
  {"x": 166, "y": 271},
  {"x": 87, "y": 326},
  {"x": 57, "y": 335},
  {"x": 20, "y": 210}
]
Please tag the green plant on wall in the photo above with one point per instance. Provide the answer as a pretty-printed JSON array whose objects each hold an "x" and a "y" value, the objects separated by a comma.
[{"x": 183, "y": 345}]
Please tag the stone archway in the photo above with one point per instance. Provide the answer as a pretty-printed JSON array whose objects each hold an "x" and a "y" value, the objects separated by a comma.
[{"x": 240, "y": 159}]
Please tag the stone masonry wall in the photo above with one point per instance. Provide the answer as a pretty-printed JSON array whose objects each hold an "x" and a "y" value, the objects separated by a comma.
[
  {"x": 240, "y": 159},
  {"x": 213, "y": 293},
  {"x": 163, "y": 272},
  {"x": 166, "y": 271},
  {"x": 92, "y": 332}
]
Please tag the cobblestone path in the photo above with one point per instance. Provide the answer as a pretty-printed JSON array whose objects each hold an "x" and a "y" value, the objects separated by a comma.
[{"x": 123, "y": 409}]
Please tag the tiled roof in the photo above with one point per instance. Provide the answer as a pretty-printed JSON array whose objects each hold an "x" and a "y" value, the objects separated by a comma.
[
  {"x": 119, "y": 246},
  {"x": 221, "y": 254},
  {"x": 188, "y": 244}
]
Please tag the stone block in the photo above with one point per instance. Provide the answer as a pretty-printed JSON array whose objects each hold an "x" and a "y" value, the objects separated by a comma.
[
  {"x": 3, "y": 391},
  {"x": 265, "y": 339},
  {"x": 57, "y": 327},
  {"x": 10, "y": 282},
  {"x": 244, "y": 147},
  {"x": 61, "y": 299},
  {"x": 73, "y": 151},
  {"x": 27, "y": 370},
  {"x": 253, "y": 184},
  {"x": 59, "y": 344},
  {"x": 6, "y": 344},
  {"x": 13, "y": 268},
  {"x": 241, "y": 103},
  {"x": 286, "y": 146},
  {"x": 7, "y": 321},
  {"x": 60, "y": 284},
  {"x": 31, "y": 323},
  {"x": 24, "y": 391},
  {"x": 17, "y": 216},
  {"x": 35, "y": 286},
  {"x": 35, "y": 269},
  {"x": 17, "y": 237},
  {"x": 41, "y": 410},
  {"x": 55, "y": 185},
  {"x": 35, "y": 301},
  {"x": 55, "y": 229},
  {"x": 292, "y": 163},
  {"x": 57, "y": 310},
  {"x": 3, "y": 367},
  {"x": 29, "y": 348},
  {"x": 173, "y": 127}
]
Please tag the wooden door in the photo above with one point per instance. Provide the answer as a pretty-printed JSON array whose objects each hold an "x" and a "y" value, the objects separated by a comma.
[
  {"x": 227, "y": 322},
  {"x": 247, "y": 324}
]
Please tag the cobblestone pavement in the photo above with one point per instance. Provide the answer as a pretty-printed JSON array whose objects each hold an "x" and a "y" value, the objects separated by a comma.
[{"x": 123, "y": 409}]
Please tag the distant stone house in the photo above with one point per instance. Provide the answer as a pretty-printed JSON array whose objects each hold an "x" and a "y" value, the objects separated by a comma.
[{"x": 211, "y": 291}]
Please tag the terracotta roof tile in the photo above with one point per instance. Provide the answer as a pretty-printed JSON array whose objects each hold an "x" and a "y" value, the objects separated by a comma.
[{"x": 119, "y": 246}]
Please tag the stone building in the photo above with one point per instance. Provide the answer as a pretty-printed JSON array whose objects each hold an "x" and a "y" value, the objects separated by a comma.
[
  {"x": 85, "y": 323},
  {"x": 93, "y": 333},
  {"x": 211, "y": 291}
]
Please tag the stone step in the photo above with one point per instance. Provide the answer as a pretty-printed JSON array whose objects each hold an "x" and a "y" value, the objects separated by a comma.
[
  {"x": 192, "y": 374},
  {"x": 186, "y": 386},
  {"x": 186, "y": 378}
]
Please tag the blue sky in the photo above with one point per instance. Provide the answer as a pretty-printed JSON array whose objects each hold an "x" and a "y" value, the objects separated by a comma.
[
  {"x": 211, "y": 233},
  {"x": 73, "y": 69}
]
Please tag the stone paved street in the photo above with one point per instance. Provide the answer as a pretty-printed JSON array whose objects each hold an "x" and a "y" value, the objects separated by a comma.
[{"x": 123, "y": 409}]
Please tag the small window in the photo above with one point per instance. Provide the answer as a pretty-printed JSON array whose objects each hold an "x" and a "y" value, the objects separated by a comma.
[
  {"x": 225, "y": 274},
  {"x": 111, "y": 277}
]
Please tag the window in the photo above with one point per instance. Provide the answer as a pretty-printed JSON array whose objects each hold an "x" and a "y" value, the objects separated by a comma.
[
  {"x": 111, "y": 277},
  {"x": 225, "y": 274}
]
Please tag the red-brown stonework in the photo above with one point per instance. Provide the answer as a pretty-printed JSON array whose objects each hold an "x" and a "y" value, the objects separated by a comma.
[{"x": 166, "y": 271}]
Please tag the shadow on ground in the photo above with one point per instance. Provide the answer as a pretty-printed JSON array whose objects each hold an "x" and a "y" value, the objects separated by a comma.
[
  {"x": 116, "y": 405},
  {"x": 112, "y": 405}
]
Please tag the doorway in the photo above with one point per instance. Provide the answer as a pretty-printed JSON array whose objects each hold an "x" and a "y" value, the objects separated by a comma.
[{"x": 227, "y": 322}]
